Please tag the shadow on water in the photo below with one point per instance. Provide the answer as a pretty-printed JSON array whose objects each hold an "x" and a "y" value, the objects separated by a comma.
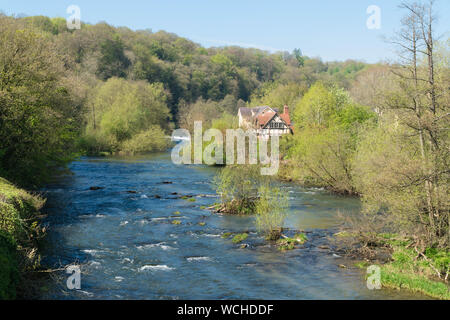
[{"x": 123, "y": 234}]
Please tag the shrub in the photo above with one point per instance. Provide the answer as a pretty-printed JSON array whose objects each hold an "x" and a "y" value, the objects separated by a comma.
[
  {"x": 271, "y": 211},
  {"x": 150, "y": 140},
  {"x": 238, "y": 188},
  {"x": 19, "y": 228}
]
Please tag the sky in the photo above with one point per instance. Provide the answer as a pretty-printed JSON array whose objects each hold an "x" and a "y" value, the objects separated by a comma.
[{"x": 330, "y": 29}]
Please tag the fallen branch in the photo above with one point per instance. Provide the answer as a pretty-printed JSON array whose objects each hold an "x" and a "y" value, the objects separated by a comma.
[{"x": 429, "y": 261}]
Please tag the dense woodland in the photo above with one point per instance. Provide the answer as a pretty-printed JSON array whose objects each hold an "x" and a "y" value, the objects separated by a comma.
[
  {"x": 378, "y": 131},
  {"x": 104, "y": 89}
]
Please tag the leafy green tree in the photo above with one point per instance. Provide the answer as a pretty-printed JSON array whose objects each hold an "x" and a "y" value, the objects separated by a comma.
[
  {"x": 299, "y": 57},
  {"x": 113, "y": 61},
  {"x": 120, "y": 109},
  {"x": 327, "y": 124},
  {"x": 38, "y": 119}
]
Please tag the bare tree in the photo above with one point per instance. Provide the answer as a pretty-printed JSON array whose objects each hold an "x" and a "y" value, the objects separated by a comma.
[{"x": 421, "y": 110}]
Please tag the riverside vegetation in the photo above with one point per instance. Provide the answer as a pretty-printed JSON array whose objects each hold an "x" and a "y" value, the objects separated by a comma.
[
  {"x": 385, "y": 140},
  {"x": 376, "y": 131}
]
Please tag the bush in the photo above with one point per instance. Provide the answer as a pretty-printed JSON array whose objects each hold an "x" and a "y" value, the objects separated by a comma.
[
  {"x": 151, "y": 140},
  {"x": 238, "y": 188},
  {"x": 271, "y": 211},
  {"x": 128, "y": 116}
]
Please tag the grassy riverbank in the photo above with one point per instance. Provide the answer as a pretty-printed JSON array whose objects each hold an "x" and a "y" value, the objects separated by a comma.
[
  {"x": 417, "y": 270},
  {"x": 19, "y": 235},
  {"x": 407, "y": 263},
  {"x": 422, "y": 270}
]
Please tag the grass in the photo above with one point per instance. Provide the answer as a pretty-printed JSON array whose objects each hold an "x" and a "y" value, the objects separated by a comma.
[
  {"x": 411, "y": 270},
  {"x": 239, "y": 238},
  {"x": 19, "y": 233},
  {"x": 362, "y": 264},
  {"x": 392, "y": 277}
]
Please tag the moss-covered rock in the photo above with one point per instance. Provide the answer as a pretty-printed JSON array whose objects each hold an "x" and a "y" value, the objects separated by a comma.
[
  {"x": 240, "y": 237},
  {"x": 289, "y": 243}
]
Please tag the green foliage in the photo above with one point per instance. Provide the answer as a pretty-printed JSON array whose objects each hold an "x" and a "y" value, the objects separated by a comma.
[
  {"x": 39, "y": 118},
  {"x": 399, "y": 280},
  {"x": 127, "y": 116},
  {"x": 113, "y": 61},
  {"x": 286, "y": 244},
  {"x": 327, "y": 126},
  {"x": 151, "y": 140},
  {"x": 9, "y": 273},
  {"x": 271, "y": 209},
  {"x": 299, "y": 57},
  {"x": 238, "y": 188},
  {"x": 417, "y": 272},
  {"x": 277, "y": 95},
  {"x": 19, "y": 231}
]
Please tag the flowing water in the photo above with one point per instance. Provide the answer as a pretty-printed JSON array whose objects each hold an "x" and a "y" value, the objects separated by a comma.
[{"x": 123, "y": 237}]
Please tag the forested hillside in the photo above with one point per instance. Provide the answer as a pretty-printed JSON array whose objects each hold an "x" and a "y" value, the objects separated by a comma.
[{"x": 112, "y": 86}]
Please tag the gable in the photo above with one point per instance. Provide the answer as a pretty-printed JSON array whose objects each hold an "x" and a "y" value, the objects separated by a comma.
[{"x": 276, "y": 122}]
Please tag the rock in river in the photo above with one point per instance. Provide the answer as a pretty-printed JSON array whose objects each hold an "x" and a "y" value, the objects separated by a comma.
[{"x": 96, "y": 188}]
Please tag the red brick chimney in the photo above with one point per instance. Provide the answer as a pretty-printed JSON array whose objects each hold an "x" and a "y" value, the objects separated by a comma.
[{"x": 285, "y": 116}]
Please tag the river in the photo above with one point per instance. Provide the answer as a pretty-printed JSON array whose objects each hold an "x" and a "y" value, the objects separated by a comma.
[{"x": 129, "y": 248}]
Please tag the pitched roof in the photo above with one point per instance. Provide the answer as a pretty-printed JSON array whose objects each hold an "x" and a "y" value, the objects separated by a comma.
[
  {"x": 263, "y": 119},
  {"x": 260, "y": 117}
]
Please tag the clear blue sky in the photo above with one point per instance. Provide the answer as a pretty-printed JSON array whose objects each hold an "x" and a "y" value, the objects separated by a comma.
[{"x": 331, "y": 29}]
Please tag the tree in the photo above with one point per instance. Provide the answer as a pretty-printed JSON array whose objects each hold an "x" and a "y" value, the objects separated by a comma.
[
  {"x": 113, "y": 61},
  {"x": 119, "y": 110},
  {"x": 417, "y": 174},
  {"x": 39, "y": 121},
  {"x": 299, "y": 57},
  {"x": 327, "y": 124}
]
